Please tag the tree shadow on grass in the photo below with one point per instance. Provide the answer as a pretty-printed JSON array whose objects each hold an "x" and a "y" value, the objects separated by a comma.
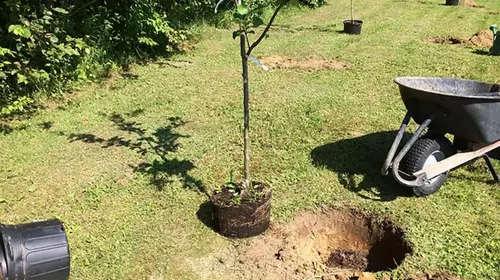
[
  {"x": 5, "y": 129},
  {"x": 46, "y": 125},
  {"x": 361, "y": 158},
  {"x": 157, "y": 146}
]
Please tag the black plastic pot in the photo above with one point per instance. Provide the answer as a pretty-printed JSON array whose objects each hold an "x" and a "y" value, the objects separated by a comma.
[
  {"x": 243, "y": 220},
  {"x": 353, "y": 27},
  {"x": 452, "y": 2},
  {"x": 36, "y": 251}
]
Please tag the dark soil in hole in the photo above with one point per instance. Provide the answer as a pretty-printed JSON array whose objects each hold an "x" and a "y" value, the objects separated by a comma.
[
  {"x": 387, "y": 252},
  {"x": 348, "y": 259},
  {"x": 317, "y": 244}
]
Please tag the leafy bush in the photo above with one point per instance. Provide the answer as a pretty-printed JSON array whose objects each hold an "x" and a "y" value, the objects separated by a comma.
[
  {"x": 312, "y": 3},
  {"x": 35, "y": 52},
  {"x": 46, "y": 45},
  {"x": 128, "y": 28}
]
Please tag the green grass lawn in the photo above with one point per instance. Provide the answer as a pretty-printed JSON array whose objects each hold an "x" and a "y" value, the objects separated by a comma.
[{"x": 90, "y": 161}]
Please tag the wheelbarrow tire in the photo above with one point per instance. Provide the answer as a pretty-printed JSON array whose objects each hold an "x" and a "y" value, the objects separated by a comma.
[{"x": 433, "y": 145}]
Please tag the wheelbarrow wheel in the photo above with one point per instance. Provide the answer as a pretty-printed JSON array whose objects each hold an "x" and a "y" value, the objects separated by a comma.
[{"x": 428, "y": 150}]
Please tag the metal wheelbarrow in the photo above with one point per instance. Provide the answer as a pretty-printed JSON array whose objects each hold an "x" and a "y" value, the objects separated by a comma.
[{"x": 468, "y": 110}]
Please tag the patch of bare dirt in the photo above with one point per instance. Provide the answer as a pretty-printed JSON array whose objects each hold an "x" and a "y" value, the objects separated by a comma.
[
  {"x": 186, "y": 47},
  {"x": 312, "y": 63},
  {"x": 483, "y": 39},
  {"x": 324, "y": 244},
  {"x": 470, "y": 3},
  {"x": 434, "y": 276},
  {"x": 178, "y": 63},
  {"x": 445, "y": 41}
]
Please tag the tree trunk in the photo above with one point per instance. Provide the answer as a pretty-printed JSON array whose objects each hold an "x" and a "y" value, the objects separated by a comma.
[
  {"x": 244, "y": 62},
  {"x": 352, "y": 11}
]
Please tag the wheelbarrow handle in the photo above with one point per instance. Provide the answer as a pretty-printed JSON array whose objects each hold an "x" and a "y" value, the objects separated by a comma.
[{"x": 455, "y": 161}]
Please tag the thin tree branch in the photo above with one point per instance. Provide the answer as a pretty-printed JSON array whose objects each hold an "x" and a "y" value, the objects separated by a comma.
[
  {"x": 248, "y": 40},
  {"x": 82, "y": 7},
  {"x": 217, "y": 6},
  {"x": 264, "y": 33},
  {"x": 352, "y": 11}
]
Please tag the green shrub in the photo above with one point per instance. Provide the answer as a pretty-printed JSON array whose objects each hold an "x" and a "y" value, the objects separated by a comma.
[
  {"x": 36, "y": 53},
  {"x": 127, "y": 28},
  {"x": 47, "y": 45}
]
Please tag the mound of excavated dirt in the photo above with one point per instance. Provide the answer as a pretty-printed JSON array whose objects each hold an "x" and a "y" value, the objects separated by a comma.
[
  {"x": 327, "y": 243},
  {"x": 312, "y": 63},
  {"x": 470, "y": 3},
  {"x": 483, "y": 38}
]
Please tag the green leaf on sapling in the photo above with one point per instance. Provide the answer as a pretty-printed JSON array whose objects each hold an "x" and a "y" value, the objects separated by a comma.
[
  {"x": 257, "y": 21},
  {"x": 242, "y": 10},
  {"x": 237, "y": 33}
]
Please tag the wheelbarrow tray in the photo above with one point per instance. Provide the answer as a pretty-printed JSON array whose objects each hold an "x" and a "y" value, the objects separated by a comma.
[{"x": 467, "y": 109}]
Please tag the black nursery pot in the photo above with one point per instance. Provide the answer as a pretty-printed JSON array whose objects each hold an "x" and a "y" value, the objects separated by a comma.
[
  {"x": 244, "y": 220},
  {"x": 353, "y": 27},
  {"x": 36, "y": 251},
  {"x": 452, "y": 2}
]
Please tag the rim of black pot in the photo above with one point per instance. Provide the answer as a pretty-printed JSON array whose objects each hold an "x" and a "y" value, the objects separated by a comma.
[
  {"x": 265, "y": 199},
  {"x": 16, "y": 229},
  {"x": 358, "y": 21}
]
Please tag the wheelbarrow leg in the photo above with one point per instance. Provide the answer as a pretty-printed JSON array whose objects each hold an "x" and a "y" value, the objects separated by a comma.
[
  {"x": 396, "y": 142},
  {"x": 491, "y": 168},
  {"x": 395, "y": 164}
]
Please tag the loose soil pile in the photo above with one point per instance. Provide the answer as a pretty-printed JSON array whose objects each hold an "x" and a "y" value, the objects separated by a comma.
[
  {"x": 312, "y": 63},
  {"x": 483, "y": 39},
  {"x": 331, "y": 242}
]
